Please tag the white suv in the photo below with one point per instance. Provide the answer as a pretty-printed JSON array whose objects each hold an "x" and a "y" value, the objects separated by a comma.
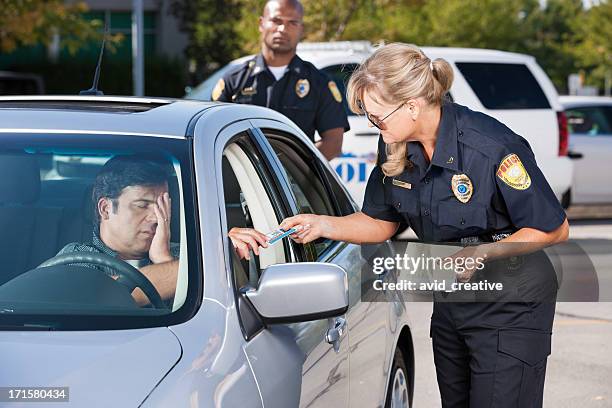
[{"x": 510, "y": 87}]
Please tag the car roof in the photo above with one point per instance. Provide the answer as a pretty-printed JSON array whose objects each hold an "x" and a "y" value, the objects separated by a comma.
[
  {"x": 99, "y": 114},
  {"x": 576, "y": 101},
  {"x": 319, "y": 53}
]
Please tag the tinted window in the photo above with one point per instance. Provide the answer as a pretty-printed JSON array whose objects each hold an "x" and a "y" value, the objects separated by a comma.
[
  {"x": 341, "y": 74},
  {"x": 308, "y": 183},
  {"x": 19, "y": 86},
  {"x": 591, "y": 120},
  {"x": 203, "y": 91},
  {"x": 504, "y": 86}
]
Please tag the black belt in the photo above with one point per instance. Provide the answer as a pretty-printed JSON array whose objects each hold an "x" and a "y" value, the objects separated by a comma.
[{"x": 490, "y": 237}]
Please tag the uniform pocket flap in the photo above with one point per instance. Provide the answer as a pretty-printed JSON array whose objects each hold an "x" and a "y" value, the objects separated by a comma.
[
  {"x": 462, "y": 216},
  {"x": 529, "y": 346}
]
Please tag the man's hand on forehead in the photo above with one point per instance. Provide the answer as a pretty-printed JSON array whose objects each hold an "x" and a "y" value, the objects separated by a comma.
[{"x": 160, "y": 245}]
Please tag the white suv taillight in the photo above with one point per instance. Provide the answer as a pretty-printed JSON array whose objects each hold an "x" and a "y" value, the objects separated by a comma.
[{"x": 563, "y": 134}]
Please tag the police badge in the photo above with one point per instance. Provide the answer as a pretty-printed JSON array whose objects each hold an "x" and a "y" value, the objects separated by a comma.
[
  {"x": 462, "y": 187},
  {"x": 302, "y": 87}
]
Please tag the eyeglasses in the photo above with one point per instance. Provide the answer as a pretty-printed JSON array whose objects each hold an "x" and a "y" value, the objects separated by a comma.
[{"x": 378, "y": 123}]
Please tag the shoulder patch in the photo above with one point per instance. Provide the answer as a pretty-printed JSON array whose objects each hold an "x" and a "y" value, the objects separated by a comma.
[
  {"x": 512, "y": 172},
  {"x": 335, "y": 91},
  {"x": 216, "y": 93}
]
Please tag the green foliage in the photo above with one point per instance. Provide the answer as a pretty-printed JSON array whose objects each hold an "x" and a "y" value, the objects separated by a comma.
[
  {"x": 31, "y": 22},
  {"x": 164, "y": 76},
  {"x": 211, "y": 27},
  {"x": 561, "y": 34},
  {"x": 593, "y": 50}
]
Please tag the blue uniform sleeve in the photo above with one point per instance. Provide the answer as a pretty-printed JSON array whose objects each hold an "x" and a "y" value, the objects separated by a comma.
[
  {"x": 529, "y": 198},
  {"x": 330, "y": 110},
  {"x": 374, "y": 203},
  {"x": 224, "y": 89}
]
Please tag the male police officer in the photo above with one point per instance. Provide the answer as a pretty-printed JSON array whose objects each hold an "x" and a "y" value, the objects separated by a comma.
[{"x": 278, "y": 79}]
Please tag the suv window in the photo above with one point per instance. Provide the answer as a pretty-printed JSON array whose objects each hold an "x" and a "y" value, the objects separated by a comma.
[
  {"x": 591, "y": 120},
  {"x": 504, "y": 86},
  {"x": 341, "y": 74}
]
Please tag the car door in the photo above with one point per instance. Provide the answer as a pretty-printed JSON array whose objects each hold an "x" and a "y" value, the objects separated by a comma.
[
  {"x": 317, "y": 191},
  {"x": 325, "y": 374},
  {"x": 293, "y": 363},
  {"x": 591, "y": 135}
]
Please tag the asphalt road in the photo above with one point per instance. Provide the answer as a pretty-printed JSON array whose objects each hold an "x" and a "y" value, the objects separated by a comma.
[{"x": 579, "y": 372}]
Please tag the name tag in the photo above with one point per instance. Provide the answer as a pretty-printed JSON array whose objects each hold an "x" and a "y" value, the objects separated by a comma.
[{"x": 402, "y": 184}]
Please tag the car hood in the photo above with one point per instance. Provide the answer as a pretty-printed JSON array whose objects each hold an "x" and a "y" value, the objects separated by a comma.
[{"x": 102, "y": 368}]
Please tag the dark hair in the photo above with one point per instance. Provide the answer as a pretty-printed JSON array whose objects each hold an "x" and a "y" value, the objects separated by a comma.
[{"x": 123, "y": 171}]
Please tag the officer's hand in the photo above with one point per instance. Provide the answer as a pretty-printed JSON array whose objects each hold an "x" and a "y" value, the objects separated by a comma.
[
  {"x": 312, "y": 227},
  {"x": 159, "y": 251},
  {"x": 244, "y": 239},
  {"x": 477, "y": 258}
]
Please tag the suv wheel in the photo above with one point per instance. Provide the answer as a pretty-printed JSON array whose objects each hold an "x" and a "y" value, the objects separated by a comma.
[{"x": 398, "y": 394}]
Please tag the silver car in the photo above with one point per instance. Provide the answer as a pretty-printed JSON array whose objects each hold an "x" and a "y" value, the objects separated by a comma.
[
  {"x": 292, "y": 327},
  {"x": 589, "y": 122}
]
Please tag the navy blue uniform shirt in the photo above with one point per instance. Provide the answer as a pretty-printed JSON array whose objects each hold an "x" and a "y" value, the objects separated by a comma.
[
  {"x": 304, "y": 94},
  {"x": 508, "y": 190}
]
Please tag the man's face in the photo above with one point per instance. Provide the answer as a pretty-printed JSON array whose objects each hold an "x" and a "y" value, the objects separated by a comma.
[
  {"x": 281, "y": 26},
  {"x": 130, "y": 226}
]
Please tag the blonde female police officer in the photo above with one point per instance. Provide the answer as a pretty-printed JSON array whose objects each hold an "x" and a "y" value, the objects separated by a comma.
[{"x": 454, "y": 175}]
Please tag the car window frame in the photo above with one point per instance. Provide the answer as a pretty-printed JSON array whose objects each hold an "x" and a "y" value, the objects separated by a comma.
[{"x": 251, "y": 144}]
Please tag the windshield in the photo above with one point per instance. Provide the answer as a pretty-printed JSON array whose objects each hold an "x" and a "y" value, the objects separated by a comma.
[
  {"x": 203, "y": 92},
  {"x": 96, "y": 232}
]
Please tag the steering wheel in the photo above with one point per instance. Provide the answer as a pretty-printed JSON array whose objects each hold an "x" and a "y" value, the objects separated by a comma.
[{"x": 128, "y": 275}]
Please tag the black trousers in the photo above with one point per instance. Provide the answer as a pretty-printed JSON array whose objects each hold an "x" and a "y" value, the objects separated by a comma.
[{"x": 491, "y": 355}]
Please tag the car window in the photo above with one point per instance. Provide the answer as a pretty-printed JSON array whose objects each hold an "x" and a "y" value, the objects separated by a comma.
[
  {"x": 341, "y": 74},
  {"x": 309, "y": 182},
  {"x": 590, "y": 120},
  {"x": 203, "y": 91},
  {"x": 59, "y": 199},
  {"x": 504, "y": 86},
  {"x": 19, "y": 86},
  {"x": 251, "y": 203}
]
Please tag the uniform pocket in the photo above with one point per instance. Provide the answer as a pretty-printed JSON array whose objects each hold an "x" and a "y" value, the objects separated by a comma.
[
  {"x": 404, "y": 200},
  {"x": 521, "y": 367},
  {"x": 529, "y": 346},
  {"x": 462, "y": 216}
]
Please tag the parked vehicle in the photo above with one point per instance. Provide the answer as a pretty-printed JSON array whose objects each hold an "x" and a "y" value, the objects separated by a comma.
[
  {"x": 589, "y": 121},
  {"x": 288, "y": 328},
  {"x": 508, "y": 86},
  {"x": 16, "y": 83}
]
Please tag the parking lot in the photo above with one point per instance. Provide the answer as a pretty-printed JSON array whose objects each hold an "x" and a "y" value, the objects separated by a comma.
[{"x": 580, "y": 367}]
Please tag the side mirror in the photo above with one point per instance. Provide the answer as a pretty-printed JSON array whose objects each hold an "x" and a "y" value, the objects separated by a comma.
[{"x": 300, "y": 292}]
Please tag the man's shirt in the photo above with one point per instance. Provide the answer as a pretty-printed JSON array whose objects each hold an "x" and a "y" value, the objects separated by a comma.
[
  {"x": 304, "y": 94},
  {"x": 96, "y": 245}
]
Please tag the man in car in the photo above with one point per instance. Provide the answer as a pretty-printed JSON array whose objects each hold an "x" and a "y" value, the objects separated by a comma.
[
  {"x": 132, "y": 210},
  {"x": 278, "y": 79}
]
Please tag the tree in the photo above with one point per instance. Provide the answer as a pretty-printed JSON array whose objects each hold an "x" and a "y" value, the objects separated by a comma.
[
  {"x": 211, "y": 27},
  {"x": 554, "y": 38},
  {"x": 30, "y": 22},
  {"x": 593, "y": 50}
]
